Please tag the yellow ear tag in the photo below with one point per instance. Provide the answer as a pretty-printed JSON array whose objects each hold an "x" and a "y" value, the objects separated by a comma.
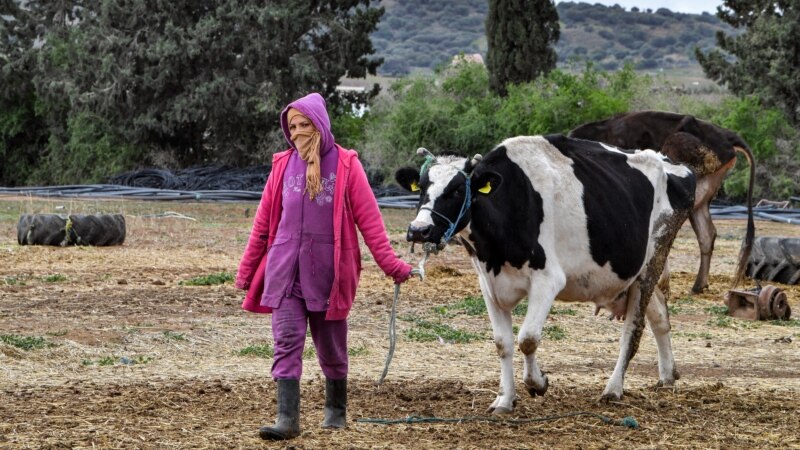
[
  {"x": 486, "y": 189},
  {"x": 414, "y": 186}
]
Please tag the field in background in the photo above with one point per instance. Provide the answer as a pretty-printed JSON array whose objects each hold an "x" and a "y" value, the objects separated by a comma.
[{"x": 139, "y": 346}]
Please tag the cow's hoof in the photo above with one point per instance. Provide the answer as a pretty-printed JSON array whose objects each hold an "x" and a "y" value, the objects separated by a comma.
[
  {"x": 665, "y": 384},
  {"x": 609, "y": 397},
  {"x": 538, "y": 391},
  {"x": 499, "y": 410}
]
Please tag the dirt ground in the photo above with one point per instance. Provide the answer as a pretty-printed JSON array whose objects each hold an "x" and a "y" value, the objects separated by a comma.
[{"x": 123, "y": 353}]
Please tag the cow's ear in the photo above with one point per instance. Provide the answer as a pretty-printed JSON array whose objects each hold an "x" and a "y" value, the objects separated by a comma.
[
  {"x": 408, "y": 178},
  {"x": 689, "y": 125},
  {"x": 487, "y": 183}
]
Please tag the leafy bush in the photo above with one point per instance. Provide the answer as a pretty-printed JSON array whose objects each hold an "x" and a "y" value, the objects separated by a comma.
[
  {"x": 455, "y": 112},
  {"x": 91, "y": 153},
  {"x": 763, "y": 129}
]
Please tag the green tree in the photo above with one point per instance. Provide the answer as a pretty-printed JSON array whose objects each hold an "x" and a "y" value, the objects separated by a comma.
[
  {"x": 205, "y": 80},
  {"x": 24, "y": 132},
  {"x": 763, "y": 60},
  {"x": 520, "y": 36},
  {"x": 176, "y": 82}
]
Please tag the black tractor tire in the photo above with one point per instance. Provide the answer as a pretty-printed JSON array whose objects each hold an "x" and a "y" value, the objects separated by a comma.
[
  {"x": 74, "y": 229},
  {"x": 775, "y": 259}
]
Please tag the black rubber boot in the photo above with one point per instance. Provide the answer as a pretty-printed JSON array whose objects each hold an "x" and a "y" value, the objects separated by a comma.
[
  {"x": 288, "y": 424},
  {"x": 335, "y": 403}
]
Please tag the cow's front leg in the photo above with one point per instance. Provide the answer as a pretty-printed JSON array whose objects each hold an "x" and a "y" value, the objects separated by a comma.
[
  {"x": 628, "y": 343},
  {"x": 541, "y": 295},
  {"x": 504, "y": 342}
]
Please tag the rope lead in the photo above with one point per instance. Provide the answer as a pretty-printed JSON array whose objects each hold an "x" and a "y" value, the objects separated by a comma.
[{"x": 628, "y": 421}]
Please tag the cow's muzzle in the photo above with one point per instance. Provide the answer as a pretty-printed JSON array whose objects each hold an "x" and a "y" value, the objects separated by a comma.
[{"x": 419, "y": 233}]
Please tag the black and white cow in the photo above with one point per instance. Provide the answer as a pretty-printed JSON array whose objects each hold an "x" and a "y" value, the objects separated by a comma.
[{"x": 548, "y": 217}]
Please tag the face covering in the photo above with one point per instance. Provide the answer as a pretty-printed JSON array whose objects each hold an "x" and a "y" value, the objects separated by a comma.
[{"x": 308, "y": 143}]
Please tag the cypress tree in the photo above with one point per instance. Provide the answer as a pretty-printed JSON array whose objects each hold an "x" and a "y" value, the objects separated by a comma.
[{"x": 520, "y": 35}]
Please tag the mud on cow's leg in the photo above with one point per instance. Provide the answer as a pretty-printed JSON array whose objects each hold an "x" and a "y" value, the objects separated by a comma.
[
  {"x": 658, "y": 318},
  {"x": 542, "y": 294},
  {"x": 504, "y": 341},
  {"x": 629, "y": 342},
  {"x": 700, "y": 218},
  {"x": 706, "y": 235}
]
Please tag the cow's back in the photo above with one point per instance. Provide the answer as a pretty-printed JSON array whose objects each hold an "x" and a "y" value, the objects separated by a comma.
[
  {"x": 653, "y": 129},
  {"x": 598, "y": 205}
]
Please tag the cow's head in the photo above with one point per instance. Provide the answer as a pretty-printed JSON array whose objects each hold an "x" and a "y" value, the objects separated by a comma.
[{"x": 448, "y": 188}]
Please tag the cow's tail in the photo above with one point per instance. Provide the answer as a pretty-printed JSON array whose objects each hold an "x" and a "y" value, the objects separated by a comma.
[{"x": 747, "y": 243}]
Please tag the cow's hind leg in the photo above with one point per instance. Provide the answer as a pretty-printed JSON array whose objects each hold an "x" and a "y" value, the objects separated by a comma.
[
  {"x": 629, "y": 343},
  {"x": 544, "y": 289},
  {"x": 706, "y": 235},
  {"x": 706, "y": 190},
  {"x": 658, "y": 318}
]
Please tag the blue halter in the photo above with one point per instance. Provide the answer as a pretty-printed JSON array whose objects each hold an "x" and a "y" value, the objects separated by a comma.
[{"x": 464, "y": 207}]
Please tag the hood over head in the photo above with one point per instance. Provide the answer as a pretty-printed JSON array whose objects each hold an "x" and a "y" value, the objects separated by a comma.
[{"x": 312, "y": 106}]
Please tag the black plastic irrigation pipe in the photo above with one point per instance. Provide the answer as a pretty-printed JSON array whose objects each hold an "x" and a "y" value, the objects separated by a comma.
[{"x": 387, "y": 198}]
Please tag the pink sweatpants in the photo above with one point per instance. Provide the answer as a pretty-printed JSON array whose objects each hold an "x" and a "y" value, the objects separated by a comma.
[{"x": 289, "y": 324}]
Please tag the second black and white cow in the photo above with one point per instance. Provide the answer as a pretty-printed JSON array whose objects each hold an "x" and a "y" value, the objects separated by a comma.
[{"x": 548, "y": 217}]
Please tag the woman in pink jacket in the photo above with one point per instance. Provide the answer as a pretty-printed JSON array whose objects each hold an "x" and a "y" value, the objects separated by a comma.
[{"x": 302, "y": 262}]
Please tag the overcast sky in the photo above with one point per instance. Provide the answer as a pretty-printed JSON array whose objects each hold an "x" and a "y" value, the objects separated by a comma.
[{"x": 684, "y": 6}]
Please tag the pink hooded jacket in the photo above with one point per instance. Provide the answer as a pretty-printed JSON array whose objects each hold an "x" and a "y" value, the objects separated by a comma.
[{"x": 353, "y": 205}]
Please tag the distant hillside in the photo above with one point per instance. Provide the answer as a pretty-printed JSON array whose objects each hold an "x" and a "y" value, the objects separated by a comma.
[{"x": 420, "y": 35}]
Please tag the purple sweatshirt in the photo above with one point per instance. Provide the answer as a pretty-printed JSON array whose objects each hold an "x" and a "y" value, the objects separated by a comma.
[{"x": 300, "y": 260}]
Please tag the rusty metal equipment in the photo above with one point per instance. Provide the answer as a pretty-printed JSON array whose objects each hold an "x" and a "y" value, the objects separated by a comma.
[{"x": 767, "y": 303}]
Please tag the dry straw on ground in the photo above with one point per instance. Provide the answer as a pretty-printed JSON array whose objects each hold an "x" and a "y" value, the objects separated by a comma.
[{"x": 135, "y": 358}]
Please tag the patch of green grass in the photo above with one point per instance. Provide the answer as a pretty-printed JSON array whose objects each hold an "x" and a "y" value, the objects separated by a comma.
[
  {"x": 172, "y": 336},
  {"x": 676, "y": 307},
  {"x": 554, "y": 332},
  {"x": 690, "y": 335},
  {"x": 475, "y": 306},
  {"x": 361, "y": 350},
  {"x": 721, "y": 319},
  {"x": 309, "y": 353},
  {"x": 57, "y": 333},
  {"x": 786, "y": 323},
  {"x": 425, "y": 331},
  {"x": 471, "y": 306},
  {"x": 54, "y": 278},
  {"x": 720, "y": 316},
  {"x": 520, "y": 309},
  {"x": 25, "y": 342},
  {"x": 257, "y": 350},
  {"x": 209, "y": 280},
  {"x": 717, "y": 310},
  {"x": 135, "y": 360},
  {"x": 13, "y": 281},
  {"x": 113, "y": 360},
  {"x": 563, "y": 311}
]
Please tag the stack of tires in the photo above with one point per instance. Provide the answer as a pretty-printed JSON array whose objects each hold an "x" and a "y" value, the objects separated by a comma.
[
  {"x": 73, "y": 229},
  {"x": 775, "y": 259}
]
